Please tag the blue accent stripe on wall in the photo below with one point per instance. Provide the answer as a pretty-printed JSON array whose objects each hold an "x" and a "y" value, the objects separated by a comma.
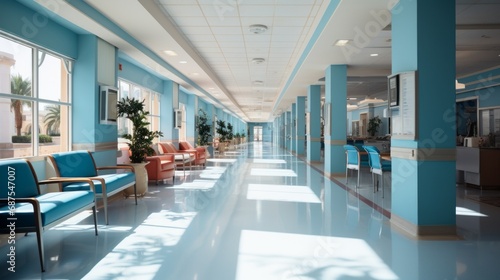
[{"x": 321, "y": 25}]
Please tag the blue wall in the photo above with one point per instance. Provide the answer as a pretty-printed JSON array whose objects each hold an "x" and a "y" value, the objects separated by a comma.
[
  {"x": 38, "y": 28},
  {"x": 137, "y": 75},
  {"x": 267, "y": 131}
]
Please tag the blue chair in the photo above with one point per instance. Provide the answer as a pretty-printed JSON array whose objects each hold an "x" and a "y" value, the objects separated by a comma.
[
  {"x": 354, "y": 161},
  {"x": 377, "y": 166},
  {"x": 81, "y": 164},
  {"x": 23, "y": 208}
]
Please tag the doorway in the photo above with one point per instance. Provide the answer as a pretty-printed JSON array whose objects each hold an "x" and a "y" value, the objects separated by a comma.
[
  {"x": 257, "y": 133},
  {"x": 363, "y": 124}
]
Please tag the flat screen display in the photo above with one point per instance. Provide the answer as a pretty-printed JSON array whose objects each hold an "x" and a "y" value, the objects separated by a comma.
[{"x": 394, "y": 91}]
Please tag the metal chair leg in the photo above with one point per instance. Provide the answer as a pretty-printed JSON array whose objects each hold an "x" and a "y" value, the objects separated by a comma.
[
  {"x": 357, "y": 184},
  {"x": 347, "y": 176}
]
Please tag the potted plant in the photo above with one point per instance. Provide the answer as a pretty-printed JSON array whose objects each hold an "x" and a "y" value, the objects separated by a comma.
[
  {"x": 237, "y": 136},
  {"x": 203, "y": 129},
  {"x": 140, "y": 140},
  {"x": 373, "y": 125},
  {"x": 222, "y": 131},
  {"x": 230, "y": 135}
]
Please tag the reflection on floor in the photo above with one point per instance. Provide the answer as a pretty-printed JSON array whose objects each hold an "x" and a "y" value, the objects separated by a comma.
[{"x": 261, "y": 213}]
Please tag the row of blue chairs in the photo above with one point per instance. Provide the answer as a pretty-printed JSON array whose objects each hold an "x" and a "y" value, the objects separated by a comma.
[{"x": 356, "y": 160}]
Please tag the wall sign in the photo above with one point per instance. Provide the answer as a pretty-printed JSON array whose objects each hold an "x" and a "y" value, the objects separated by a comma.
[{"x": 403, "y": 117}]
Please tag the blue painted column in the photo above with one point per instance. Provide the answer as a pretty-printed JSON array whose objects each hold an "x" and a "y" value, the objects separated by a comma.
[
  {"x": 87, "y": 131},
  {"x": 300, "y": 118},
  {"x": 191, "y": 111},
  {"x": 314, "y": 123},
  {"x": 282, "y": 130},
  {"x": 288, "y": 128},
  {"x": 293, "y": 123},
  {"x": 169, "y": 101},
  {"x": 336, "y": 110},
  {"x": 423, "y": 164}
]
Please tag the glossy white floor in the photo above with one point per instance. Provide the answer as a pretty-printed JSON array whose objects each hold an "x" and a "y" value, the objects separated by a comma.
[{"x": 261, "y": 214}]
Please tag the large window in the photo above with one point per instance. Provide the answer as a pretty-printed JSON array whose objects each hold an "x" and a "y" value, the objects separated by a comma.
[
  {"x": 152, "y": 104},
  {"x": 35, "y": 90}
]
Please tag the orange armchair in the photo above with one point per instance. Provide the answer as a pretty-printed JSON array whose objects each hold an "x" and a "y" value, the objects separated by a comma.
[
  {"x": 200, "y": 152},
  {"x": 161, "y": 167}
]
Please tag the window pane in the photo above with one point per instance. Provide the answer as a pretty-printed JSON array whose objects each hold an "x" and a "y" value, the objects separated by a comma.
[
  {"x": 136, "y": 93},
  {"x": 53, "y": 124},
  {"x": 124, "y": 90},
  {"x": 146, "y": 96},
  {"x": 155, "y": 126},
  {"x": 155, "y": 110},
  {"x": 15, "y": 135},
  {"x": 52, "y": 78},
  {"x": 19, "y": 59}
]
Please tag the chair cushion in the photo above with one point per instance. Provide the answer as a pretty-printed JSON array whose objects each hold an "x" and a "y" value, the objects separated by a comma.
[
  {"x": 53, "y": 206},
  {"x": 386, "y": 165},
  {"x": 158, "y": 149},
  {"x": 113, "y": 182},
  {"x": 184, "y": 157},
  {"x": 75, "y": 164},
  {"x": 185, "y": 146}
]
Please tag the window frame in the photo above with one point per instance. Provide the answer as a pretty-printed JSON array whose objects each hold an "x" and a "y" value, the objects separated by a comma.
[{"x": 36, "y": 100}]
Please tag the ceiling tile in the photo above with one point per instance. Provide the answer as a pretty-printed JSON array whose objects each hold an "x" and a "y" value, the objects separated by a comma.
[
  {"x": 184, "y": 10},
  {"x": 189, "y": 21},
  {"x": 292, "y": 11},
  {"x": 256, "y": 11}
]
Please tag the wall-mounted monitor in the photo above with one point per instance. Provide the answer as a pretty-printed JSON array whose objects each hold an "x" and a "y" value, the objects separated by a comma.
[
  {"x": 108, "y": 98},
  {"x": 393, "y": 90}
]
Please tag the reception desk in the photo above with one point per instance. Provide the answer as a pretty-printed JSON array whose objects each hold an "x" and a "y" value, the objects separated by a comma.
[{"x": 480, "y": 166}]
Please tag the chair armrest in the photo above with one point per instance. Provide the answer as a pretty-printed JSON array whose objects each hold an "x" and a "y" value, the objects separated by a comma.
[
  {"x": 53, "y": 180},
  {"x": 31, "y": 200},
  {"x": 166, "y": 156},
  {"x": 124, "y": 166}
]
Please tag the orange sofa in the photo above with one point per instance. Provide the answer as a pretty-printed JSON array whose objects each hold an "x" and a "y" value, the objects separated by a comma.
[
  {"x": 182, "y": 159},
  {"x": 160, "y": 167},
  {"x": 199, "y": 152}
]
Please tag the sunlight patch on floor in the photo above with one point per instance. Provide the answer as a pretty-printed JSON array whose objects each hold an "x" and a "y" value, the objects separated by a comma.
[
  {"x": 272, "y": 172},
  {"x": 282, "y": 193},
  {"x": 273, "y": 255},
  {"x": 141, "y": 254}
]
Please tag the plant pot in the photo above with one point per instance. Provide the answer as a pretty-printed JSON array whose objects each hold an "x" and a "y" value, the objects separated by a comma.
[{"x": 141, "y": 180}]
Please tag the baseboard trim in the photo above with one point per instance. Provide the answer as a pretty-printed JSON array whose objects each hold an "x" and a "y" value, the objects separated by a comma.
[{"x": 423, "y": 232}]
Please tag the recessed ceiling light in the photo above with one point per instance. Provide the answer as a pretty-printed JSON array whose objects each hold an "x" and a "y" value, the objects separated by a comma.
[
  {"x": 341, "y": 42},
  {"x": 195, "y": 74},
  {"x": 374, "y": 54},
  {"x": 257, "y": 28},
  {"x": 258, "y": 83},
  {"x": 170, "y": 53},
  {"x": 183, "y": 62},
  {"x": 258, "y": 60}
]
